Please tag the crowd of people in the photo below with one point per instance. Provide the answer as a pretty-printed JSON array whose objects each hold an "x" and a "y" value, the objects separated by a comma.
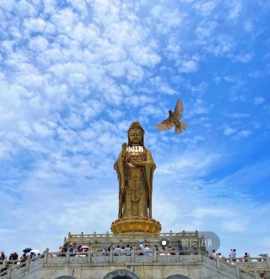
[
  {"x": 139, "y": 249},
  {"x": 15, "y": 259},
  {"x": 115, "y": 250},
  {"x": 143, "y": 248},
  {"x": 232, "y": 257}
]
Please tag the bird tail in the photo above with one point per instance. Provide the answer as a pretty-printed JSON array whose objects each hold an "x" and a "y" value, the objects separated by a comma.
[
  {"x": 180, "y": 127},
  {"x": 184, "y": 125}
]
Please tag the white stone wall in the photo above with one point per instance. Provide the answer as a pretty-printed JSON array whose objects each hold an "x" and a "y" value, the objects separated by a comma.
[{"x": 193, "y": 267}]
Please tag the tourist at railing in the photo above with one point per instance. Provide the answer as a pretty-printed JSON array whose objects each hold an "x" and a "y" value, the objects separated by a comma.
[
  {"x": 62, "y": 251},
  {"x": 105, "y": 252},
  {"x": 163, "y": 250},
  {"x": 263, "y": 257},
  {"x": 172, "y": 251},
  {"x": 117, "y": 251},
  {"x": 23, "y": 259},
  {"x": 213, "y": 255},
  {"x": 221, "y": 257},
  {"x": 246, "y": 257},
  {"x": 72, "y": 250},
  {"x": 13, "y": 257},
  {"x": 147, "y": 251},
  {"x": 83, "y": 249},
  {"x": 2, "y": 257},
  {"x": 232, "y": 255}
]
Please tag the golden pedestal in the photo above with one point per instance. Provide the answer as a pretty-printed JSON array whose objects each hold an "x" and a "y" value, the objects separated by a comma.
[{"x": 136, "y": 225}]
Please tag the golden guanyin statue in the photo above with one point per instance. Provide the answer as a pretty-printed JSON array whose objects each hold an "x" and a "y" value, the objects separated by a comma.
[{"x": 135, "y": 168}]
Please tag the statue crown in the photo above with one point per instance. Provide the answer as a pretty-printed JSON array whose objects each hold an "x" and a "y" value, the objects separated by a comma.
[{"x": 136, "y": 125}]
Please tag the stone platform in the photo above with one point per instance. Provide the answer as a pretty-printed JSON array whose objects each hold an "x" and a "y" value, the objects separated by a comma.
[{"x": 182, "y": 240}]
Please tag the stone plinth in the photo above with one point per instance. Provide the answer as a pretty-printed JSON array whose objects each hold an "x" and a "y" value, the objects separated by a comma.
[
  {"x": 136, "y": 225},
  {"x": 187, "y": 240}
]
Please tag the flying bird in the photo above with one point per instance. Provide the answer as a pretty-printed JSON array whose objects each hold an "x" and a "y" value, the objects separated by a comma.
[{"x": 174, "y": 119}]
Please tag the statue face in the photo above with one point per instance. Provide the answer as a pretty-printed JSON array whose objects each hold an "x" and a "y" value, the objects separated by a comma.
[{"x": 135, "y": 136}]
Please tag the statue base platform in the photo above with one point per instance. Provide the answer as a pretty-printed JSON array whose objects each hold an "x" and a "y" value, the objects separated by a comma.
[{"x": 136, "y": 225}]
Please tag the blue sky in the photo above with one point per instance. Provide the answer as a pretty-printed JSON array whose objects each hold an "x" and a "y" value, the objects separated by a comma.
[{"x": 75, "y": 74}]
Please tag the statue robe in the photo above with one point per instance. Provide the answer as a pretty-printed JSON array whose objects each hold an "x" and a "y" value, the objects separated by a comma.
[{"x": 135, "y": 198}]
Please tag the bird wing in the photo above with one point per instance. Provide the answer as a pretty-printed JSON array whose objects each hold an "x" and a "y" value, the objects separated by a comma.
[
  {"x": 165, "y": 125},
  {"x": 179, "y": 108}
]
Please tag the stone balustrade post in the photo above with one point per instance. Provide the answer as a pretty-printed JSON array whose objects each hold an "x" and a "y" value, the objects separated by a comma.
[
  {"x": 67, "y": 257},
  {"x": 89, "y": 256},
  {"x": 179, "y": 256},
  {"x": 237, "y": 271},
  {"x": 133, "y": 255},
  {"x": 256, "y": 275},
  {"x": 28, "y": 263},
  {"x": 46, "y": 254},
  {"x": 155, "y": 255},
  {"x": 268, "y": 262},
  {"x": 111, "y": 255},
  {"x": 218, "y": 261},
  {"x": 9, "y": 272}
]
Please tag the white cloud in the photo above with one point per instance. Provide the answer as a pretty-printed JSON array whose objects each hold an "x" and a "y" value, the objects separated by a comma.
[
  {"x": 228, "y": 131},
  {"x": 166, "y": 19},
  {"x": 35, "y": 25},
  {"x": 24, "y": 8},
  {"x": 7, "y": 5},
  {"x": 206, "y": 7},
  {"x": 38, "y": 44},
  {"x": 235, "y": 9},
  {"x": 188, "y": 66},
  {"x": 188, "y": 165},
  {"x": 244, "y": 133},
  {"x": 244, "y": 57},
  {"x": 216, "y": 212},
  {"x": 235, "y": 226}
]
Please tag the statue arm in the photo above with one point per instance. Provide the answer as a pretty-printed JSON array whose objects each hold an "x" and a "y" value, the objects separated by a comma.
[
  {"x": 149, "y": 171},
  {"x": 120, "y": 168}
]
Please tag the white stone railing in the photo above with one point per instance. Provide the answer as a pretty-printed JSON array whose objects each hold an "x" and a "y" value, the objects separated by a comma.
[
  {"x": 9, "y": 268},
  {"x": 51, "y": 259},
  {"x": 251, "y": 263},
  {"x": 110, "y": 235},
  {"x": 90, "y": 259},
  {"x": 248, "y": 260}
]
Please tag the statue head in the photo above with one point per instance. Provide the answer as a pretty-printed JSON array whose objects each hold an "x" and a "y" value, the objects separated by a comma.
[{"x": 135, "y": 134}]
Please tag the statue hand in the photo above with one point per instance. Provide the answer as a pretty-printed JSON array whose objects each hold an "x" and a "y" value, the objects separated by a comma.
[
  {"x": 138, "y": 163},
  {"x": 131, "y": 165}
]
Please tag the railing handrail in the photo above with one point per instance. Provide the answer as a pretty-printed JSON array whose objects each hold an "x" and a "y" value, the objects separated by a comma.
[
  {"x": 249, "y": 259},
  {"x": 93, "y": 235}
]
